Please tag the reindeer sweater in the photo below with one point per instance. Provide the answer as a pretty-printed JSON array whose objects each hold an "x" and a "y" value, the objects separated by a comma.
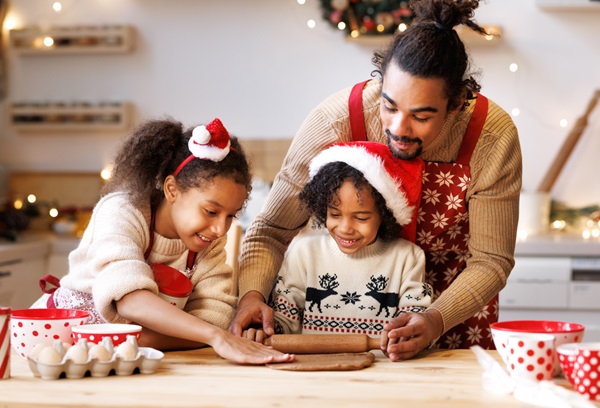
[{"x": 322, "y": 290}]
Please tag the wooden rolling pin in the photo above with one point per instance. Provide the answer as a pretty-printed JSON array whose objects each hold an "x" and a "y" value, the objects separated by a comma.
[
  {"x": 567, "y": 148},
  {"x": 322, "y": 343}
]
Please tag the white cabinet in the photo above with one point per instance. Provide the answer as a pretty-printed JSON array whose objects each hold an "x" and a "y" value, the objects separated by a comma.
[
  {"x": 538, "y": 282},
  {"x": 22, "y": 264},
  {"x": 19, "y": 282}
]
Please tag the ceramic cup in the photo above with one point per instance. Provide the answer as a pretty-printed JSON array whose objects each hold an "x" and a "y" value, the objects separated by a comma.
[
  {"x": 531, "y": 356},
  {"x": 567, "y": 354},
  {"x": 173, "y": 286},
  {"x": 586, "y": 370}
]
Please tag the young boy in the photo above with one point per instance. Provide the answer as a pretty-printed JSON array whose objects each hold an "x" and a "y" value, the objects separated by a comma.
[{"x": 361, "y": 274}]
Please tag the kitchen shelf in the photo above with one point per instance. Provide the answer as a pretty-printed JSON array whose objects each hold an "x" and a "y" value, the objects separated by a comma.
[
  {"x": 468, "y": 36},
  {"x": 569, "y": 5},
  {"x": 74, "y": 117},
  {"x": 72, "y": 40}
]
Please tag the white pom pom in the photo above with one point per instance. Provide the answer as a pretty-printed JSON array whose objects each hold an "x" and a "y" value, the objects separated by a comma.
[{"x": 201, "y": 135}]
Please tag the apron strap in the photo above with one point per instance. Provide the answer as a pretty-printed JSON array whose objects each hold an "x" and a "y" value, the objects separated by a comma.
[
  {"x": 473, "y": 131},
  {"x": 191, "y": 259},
  {"x": 357, "y": 116},
  {"x": 151, "y": 243},
  {"x": 49, "y": 280},
  {"x": 52, "y": 280}
]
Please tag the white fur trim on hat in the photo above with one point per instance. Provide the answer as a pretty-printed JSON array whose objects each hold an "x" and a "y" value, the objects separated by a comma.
[
  {"x": 199, "y": 145},
  {"x": 372, "y": 167}
]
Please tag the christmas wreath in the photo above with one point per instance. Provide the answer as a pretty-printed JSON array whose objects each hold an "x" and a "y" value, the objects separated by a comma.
[{"x": 367, "y": 17}]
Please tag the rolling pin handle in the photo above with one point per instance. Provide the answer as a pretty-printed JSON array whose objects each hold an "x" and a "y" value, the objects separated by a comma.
[{"x": 373, "y": 343}]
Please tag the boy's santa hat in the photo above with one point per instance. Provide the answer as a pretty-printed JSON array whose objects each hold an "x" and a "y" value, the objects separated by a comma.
[
  {"x": 398, "y": 181},
  {"x": 210, "y": 142}
]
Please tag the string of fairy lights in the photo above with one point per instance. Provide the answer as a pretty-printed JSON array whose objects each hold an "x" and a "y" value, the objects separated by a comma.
[{"x": 353, "y": 18}]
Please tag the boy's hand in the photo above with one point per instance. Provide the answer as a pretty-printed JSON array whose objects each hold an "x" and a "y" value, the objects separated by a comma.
[{"x": 257, "y": 335}]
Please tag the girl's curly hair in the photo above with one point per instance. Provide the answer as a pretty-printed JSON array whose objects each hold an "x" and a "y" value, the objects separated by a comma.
[
  {"x": 154, "y": 151},
  {"x": 321, "y": 191}
]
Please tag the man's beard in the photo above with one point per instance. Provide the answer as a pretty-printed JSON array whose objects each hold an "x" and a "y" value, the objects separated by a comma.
[{"x": 401, "y": 154}]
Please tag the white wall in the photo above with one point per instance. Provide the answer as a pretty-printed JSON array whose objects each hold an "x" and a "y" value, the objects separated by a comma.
[{"x": 257, "y": 66}]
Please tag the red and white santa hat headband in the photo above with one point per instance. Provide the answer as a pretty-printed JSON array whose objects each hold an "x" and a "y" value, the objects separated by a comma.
[
  {"x": 398, "y": 181},
  {"x": 210, "y": 142}
]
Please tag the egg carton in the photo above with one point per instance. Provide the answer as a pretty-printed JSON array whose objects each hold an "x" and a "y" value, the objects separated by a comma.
[{"x": 146, "y": 361}]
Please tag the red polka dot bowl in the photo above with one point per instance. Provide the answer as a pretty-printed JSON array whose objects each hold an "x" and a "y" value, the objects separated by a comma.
[
  {"x": 567, "y": 354},
  {"x": 30, "y": 327},
  {"x": 117, "y": 332},
  {"x": 563, "y": 332}
]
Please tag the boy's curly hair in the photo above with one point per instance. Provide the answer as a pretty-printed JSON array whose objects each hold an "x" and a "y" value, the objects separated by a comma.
[{"x": 321, "y": 191}]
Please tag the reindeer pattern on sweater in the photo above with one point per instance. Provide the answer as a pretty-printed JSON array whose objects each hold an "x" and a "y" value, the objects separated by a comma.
[{"x": 322, "y": 290}]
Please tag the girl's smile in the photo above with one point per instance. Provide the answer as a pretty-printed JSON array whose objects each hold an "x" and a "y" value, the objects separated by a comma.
[{"x": 199, "y": 216}]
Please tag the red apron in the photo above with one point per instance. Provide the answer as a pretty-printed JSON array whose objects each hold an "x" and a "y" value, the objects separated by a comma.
[{"x": 442, "y": 227}]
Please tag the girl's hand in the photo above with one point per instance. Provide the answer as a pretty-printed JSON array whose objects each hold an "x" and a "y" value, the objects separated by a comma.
[
  {"x": 244, "y": 351},
  {"x": 257, "y": 335}
]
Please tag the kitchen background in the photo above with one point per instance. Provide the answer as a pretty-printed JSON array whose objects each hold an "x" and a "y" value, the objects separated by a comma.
[
  {"x": 261, "y": 69},
  {"x": 261, "y": 66}
]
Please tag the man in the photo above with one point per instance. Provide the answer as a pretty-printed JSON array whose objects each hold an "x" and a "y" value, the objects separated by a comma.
[{"x": 426, "y": 104}]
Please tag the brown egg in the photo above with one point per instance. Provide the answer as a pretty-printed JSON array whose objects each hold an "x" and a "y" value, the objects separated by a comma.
[
  {"x": 77, "y": 354},
  {"x": 49, "y": 355},
  {"x": 99, "y": 352},
  {"x": 126, "y": 351},
  {"x": 34, "y": 354}
]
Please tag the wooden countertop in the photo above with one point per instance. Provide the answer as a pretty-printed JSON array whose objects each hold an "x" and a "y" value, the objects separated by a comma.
[{"x": 440, "y": 378}]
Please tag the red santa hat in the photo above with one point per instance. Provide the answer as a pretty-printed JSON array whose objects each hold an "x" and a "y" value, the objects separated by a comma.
[
  {"x": 210, "y": 142},
  {"x": 398, "y": 181}
]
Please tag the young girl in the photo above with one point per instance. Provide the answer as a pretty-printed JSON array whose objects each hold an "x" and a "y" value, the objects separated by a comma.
[
  {"x": 361, "y": 275},
  {"x": 171, "y": 200}
]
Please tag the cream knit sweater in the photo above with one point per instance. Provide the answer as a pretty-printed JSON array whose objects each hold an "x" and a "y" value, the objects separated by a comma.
[
  {"x": 320, "y": 289},
  {"x": 493, "y": 199},
  {"x": 109, "y": 263}
]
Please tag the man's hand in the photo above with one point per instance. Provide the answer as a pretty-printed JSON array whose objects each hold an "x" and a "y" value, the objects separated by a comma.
[
  {"x": 409, "y": 333},
  {"x": 252, "y": 310}
]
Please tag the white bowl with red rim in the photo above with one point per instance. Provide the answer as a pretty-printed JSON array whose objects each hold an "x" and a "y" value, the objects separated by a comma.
[
  {"x": 563, "y": 332},
  {"x": 117, "y": 332},
  {"x": 30, "y": 327}
]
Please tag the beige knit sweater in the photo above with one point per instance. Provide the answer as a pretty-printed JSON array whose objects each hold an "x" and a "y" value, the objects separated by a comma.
[
  {"x": 493, "y": 199},
  {"x": 109, "y": 263}
]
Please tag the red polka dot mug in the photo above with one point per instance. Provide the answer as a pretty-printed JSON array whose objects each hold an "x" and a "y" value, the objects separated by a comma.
[
  {"x": 586, "y": 370},
  {"x": 531, "y": 356}
]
